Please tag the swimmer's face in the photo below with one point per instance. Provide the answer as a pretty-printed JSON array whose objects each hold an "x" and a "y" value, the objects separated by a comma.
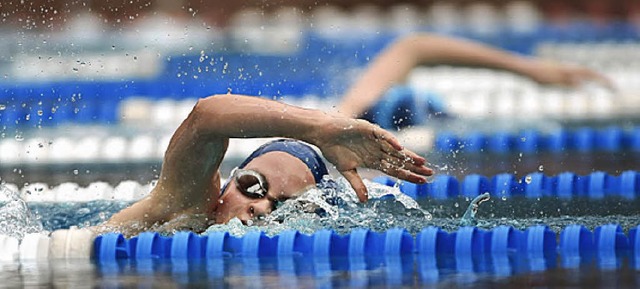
[{"x": 286, "y": 177}]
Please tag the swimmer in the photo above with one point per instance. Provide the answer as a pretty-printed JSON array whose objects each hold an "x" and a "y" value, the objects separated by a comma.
[
  {"x": 190, "y": 184},
  {"x": 399, "y": 58}
]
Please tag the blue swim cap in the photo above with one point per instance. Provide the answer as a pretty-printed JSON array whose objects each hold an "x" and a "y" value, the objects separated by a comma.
[{"x": 295, "y": 148}]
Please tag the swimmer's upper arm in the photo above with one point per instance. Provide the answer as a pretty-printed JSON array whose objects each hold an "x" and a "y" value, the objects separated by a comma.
[
  {"x": 188, "y": 181},
  {"x": 188, "y": 178}
]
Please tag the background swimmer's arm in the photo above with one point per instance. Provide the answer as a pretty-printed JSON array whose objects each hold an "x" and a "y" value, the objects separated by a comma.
[{"x": 395, "y": 63}]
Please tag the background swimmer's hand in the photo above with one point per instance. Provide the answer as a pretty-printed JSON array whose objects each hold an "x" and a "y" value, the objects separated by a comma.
[
  {"x": 555, "y": 73},
  {"x": 350, "y": 143}
]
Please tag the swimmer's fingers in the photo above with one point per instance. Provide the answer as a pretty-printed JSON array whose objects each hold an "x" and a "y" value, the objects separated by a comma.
[
  {"x": 357, "y": 184},
  {"x": 405, "y": 156},
  {"x": 588, "y": 74},
  {"x": 410, "y": 161},
  {"x": 573, "y": 76},
  {"x": 387, "y": 137},
  {"x": 407, "y": 172},
  {"x": 392, "y": 146}
]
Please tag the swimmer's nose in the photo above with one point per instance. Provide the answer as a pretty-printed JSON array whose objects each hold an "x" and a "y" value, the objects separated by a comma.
[{"x": 260, "y": 208}]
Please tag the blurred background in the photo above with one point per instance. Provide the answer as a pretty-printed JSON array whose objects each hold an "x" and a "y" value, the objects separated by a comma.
[{"x": 92, "y": 90}]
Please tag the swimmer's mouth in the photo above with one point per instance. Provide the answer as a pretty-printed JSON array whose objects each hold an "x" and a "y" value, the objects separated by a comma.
[
  {"x": 262, "y": 220},
  {"x": 256, "y": 221}
]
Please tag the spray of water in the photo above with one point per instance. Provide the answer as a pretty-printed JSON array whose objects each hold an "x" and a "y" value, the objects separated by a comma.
[
  {"x": 334, "y": 205},
  {"x": 469, "y": 217},
  {"x": 16, "y": 220}
]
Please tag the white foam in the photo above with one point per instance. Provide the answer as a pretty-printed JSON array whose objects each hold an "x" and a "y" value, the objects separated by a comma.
[{"x": 8, "y": 196}]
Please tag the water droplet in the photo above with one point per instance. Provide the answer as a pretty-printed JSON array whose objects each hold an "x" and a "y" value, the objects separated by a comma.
[
  {"x": 19, "y": 137},
  {"x": 528, "y": 179},
  {"x": 456, "y": 205},
  {"x": 75, "y": 172},
  {"x": 83, "y": 211},
  {"x": 3, "y": 107},
  {"x": 541, "y": 168},
  {"x": 504, "y": 198}
]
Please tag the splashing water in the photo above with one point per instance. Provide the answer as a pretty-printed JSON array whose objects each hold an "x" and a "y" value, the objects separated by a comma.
[
  {"x": 334, "y": 205},
  {"x": 469, "y": 217},
  {"x": 16, "y": 220}
]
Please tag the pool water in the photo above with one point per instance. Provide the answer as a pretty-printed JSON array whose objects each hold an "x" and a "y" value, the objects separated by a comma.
[
  {"x": 298, "y": 272},
  {"x": 334, "y": 206}
]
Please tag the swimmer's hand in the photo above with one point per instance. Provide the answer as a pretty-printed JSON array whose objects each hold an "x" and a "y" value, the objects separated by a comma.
[
  {"x": 350, "y": 143},
  {"x": 555, "y": 73}
]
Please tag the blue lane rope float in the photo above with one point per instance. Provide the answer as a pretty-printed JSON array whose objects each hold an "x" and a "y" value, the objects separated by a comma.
[
  {"x": 576, "y": 241},
  {"x": 584, "y": 140},
  {"x": 606, "y": 241},
  {"x": 596, "y": 185}
]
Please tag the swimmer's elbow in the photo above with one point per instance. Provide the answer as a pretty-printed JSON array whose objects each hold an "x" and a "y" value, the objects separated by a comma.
[{"x": 210, "y": 112}]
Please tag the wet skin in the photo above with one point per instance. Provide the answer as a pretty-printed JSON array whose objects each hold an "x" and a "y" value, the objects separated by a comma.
[{"x": 287, "y": 177}]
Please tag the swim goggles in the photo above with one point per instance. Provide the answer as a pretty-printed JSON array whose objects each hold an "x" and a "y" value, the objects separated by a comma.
[{"x": 250, "y": 183}]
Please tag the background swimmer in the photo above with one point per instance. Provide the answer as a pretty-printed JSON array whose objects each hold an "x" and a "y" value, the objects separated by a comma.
[{"x": 399, "y": 58}]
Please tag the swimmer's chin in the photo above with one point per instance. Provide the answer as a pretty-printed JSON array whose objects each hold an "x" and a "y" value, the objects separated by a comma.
[
  {"x": 237, "y": 222},
  {"x": 220, "y": 220}
]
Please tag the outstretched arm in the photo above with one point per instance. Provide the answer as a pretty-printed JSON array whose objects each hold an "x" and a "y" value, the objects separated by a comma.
[
  {"x": 189, "y": 180},
  {"x": 394, "y": 63},
  {"x": 347, "y": 143}
]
